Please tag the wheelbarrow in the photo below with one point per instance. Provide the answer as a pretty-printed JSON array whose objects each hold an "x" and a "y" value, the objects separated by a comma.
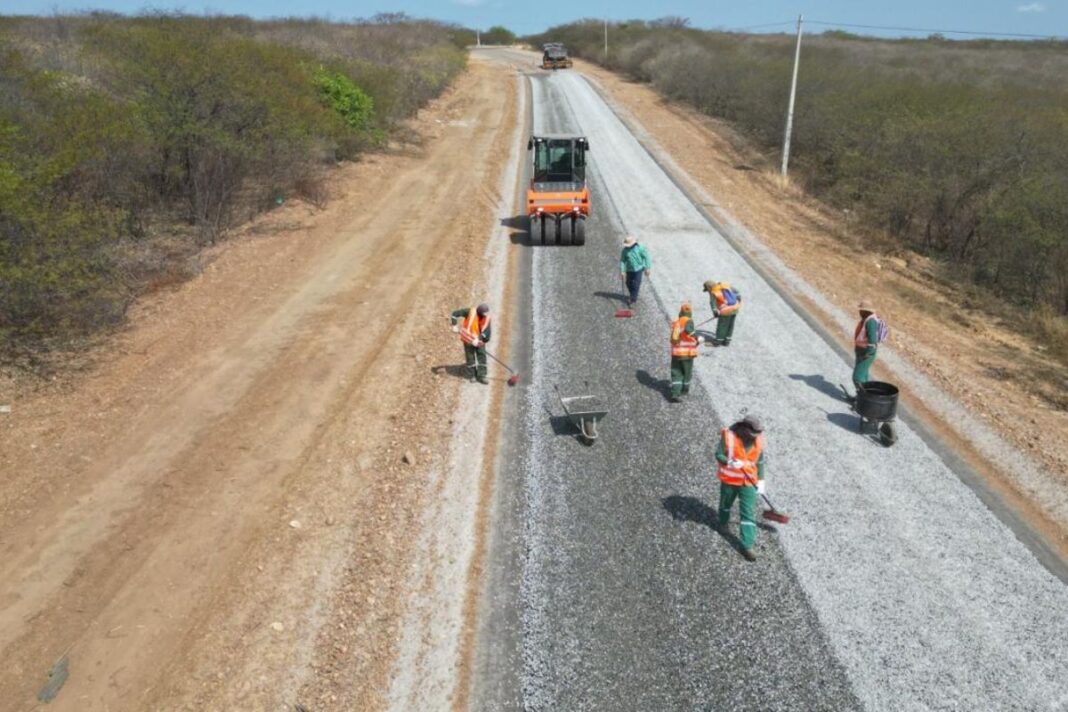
[
  {"x": 584, "y": 412},
  {"x": 876, "y": 404}
]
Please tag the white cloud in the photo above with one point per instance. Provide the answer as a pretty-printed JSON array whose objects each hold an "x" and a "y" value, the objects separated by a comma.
[{"x": 1032, "y": 7}]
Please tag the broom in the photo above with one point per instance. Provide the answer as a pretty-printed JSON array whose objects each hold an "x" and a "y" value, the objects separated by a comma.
[
  {"x": 769, "y": 513},
  {"x": 514, "y": 378}
]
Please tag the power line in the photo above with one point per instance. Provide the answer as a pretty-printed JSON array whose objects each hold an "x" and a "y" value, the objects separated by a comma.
[
  {"x": 930, "y": 31},
  {"x": 757, "y": 27}
]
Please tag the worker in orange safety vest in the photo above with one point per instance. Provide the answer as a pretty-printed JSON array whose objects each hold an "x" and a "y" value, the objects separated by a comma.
[
  {"x": 474, "y": 330},
  {"x": 741, "y": 476},
  {"x": 725, "y": 301},
  {"x": 683, "y": 351}
]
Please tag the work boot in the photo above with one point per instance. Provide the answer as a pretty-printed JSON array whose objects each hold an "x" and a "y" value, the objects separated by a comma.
[
  {"x": 748, "y": 554},
  {"x": 483, "y": 380}
]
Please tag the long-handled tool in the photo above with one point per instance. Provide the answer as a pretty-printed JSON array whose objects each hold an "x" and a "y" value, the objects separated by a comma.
[
  {"x": 769, "y": 513},
  {"x": 514, "y": 378},
  {"x": 625, "y": 313}
]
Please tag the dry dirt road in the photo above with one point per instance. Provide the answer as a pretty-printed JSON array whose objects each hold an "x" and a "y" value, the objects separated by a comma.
[{"x": 220, "y": 514}]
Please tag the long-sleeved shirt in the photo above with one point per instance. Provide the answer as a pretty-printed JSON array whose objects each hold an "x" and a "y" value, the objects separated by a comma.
[
  {"x": 721, "y": 457},
  {"x": 635, "y": 259},
  {"x": 484, "y": 335}
]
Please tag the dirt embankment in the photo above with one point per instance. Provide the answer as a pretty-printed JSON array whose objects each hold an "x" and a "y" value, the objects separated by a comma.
[
  {"x": 220, "y": 514},
  {"x": 1006, "y": 382}
]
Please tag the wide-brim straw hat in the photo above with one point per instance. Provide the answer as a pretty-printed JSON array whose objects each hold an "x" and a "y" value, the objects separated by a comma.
[{"x": 629, "y": 240}]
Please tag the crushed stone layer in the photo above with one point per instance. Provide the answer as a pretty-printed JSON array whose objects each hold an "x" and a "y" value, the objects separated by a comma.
[
  {"x": 892, "y": 586},
  {"x": 629, "y": 599}
]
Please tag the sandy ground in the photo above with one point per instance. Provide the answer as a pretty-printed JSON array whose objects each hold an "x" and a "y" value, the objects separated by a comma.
[
  {"x": 221, "y": 513},
  {"x": 998, "y": 377}
]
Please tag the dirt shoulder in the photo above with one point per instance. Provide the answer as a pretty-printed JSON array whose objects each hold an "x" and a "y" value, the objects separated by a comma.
[
  {"x": 220, "y": 514},
  {"x": 997, "y": 376}
]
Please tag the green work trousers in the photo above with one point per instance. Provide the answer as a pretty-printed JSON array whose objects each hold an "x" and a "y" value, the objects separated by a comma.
[
  {"x": 681, "y": 375},
  {"x": 862, "y": 370},
  {"x": 747, "y": 497},
  {"x": 725, "y": 328},
  {"x": 476, "y": 361}
]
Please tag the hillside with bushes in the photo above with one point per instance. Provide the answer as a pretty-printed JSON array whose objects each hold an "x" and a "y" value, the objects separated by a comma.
[
  {"x": 955, "y": 150},
  {"x": 129, "y": 143}
]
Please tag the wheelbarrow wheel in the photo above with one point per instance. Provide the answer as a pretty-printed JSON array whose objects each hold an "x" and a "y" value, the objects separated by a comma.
[
  {"x": 887, "y": 434},
  {"x": 589, "y": 431}
]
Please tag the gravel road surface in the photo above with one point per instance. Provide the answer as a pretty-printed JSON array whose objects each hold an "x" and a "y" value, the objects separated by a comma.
[{"x": 893, "y": 586}]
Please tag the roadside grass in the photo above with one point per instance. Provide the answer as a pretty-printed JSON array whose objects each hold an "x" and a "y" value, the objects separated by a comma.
[{"x": 127, "y": 144}]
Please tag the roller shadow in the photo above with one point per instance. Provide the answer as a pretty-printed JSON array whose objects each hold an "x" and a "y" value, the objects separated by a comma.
[
  {"x": 520, "y": 227},
  {"x": 661, "y": 386}
]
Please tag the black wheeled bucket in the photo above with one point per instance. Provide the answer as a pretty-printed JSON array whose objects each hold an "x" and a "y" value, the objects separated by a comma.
[{"x": 876, "y": 404}]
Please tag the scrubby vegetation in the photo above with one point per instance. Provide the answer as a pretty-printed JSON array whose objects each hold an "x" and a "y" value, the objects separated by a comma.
[
  {"x": 127, "y": 143},
  {"x": 953, "y": 149},
  {"x": 498, "y": 35}
]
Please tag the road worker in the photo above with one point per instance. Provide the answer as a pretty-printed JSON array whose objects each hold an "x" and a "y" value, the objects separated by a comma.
[
  {"x": 740, "y": 455},
  {"x": 634, "y": 262},
  {"x": 865, "y": 343},
  {"x": 683, "y": 351},
  {"x": 725, "y": 302},
  {"x": 473, "y": 325}
]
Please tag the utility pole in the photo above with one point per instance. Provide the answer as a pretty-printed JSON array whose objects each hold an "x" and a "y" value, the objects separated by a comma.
[
  {"x": 790, "y": 109},
  {"x": 478, "y": 39},
  {"x": 606, "y": 40}
]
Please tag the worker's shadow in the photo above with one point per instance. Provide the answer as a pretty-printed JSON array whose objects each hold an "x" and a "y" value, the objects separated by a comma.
[
  {"x": 661, "y": 386},
  {"x": 691, "y": 509},
  {"x": 612, "y": 296},
  {"x": 454, "y": 370},
  {"x": 821, "y": 384}
]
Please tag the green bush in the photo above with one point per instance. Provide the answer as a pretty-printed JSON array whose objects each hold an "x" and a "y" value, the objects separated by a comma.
[
  {"x": 118, "y": 134},
  {"x": 348, "y": 100},
  {"x": 498, "y": 35}
]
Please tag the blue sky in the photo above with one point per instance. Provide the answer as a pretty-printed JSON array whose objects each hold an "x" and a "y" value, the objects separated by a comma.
[{"x": 1020, "y": 16}]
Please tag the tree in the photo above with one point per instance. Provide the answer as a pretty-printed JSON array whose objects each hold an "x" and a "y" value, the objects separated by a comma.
[{"x": 498, "y": 35}]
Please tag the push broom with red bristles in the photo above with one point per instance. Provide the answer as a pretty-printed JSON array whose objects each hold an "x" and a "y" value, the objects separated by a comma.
[
  {"x": 770, "y": 513},
  {"x": 514, "y": 378}
]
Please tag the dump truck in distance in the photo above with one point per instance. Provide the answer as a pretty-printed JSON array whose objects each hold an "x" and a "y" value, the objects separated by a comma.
[
  {"x": 554, "y": 56},
  {"x": 558, "y": 199}
]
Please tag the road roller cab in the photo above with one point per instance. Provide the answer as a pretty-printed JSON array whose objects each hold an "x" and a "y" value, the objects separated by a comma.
[
  {"x": 558, "y": 200},
  {"x": 554, "y": 56}
]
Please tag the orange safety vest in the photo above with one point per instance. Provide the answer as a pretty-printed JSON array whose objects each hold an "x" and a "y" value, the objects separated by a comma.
[
  {"x": 473, "y": 326},
  {"x": 732, "y": 445},
  {"x": 860, "y": 336},
  {"x": 722, "y": 307},
  {"x": 683, "y": 345}
]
